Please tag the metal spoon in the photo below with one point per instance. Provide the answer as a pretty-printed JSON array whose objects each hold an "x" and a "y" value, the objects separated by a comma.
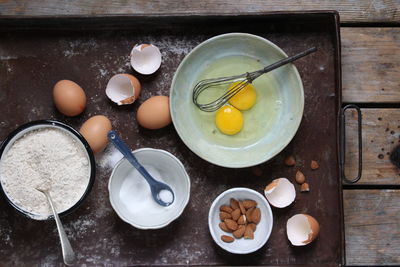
[
  {"x": 67, "y": 252},
  {"x": 155, "y": 186}
]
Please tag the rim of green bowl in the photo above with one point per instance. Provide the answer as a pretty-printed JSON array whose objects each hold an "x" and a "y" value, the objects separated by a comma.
[{"x": 283, "y": 144}]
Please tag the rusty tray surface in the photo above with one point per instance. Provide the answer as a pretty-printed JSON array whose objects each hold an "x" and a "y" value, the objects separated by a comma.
[{"x": 37, "y": 52}]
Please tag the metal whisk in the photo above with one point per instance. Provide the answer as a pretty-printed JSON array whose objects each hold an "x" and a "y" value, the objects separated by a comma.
[{"x": 242, "y": 80}]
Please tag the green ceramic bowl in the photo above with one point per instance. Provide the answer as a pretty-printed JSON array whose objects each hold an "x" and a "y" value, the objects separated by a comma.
[{"x": 268, "y": 127}]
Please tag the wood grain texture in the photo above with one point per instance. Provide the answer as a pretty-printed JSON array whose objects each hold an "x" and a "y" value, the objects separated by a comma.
[
  {"x": 372, "y": 227},
  {"x": 371, "y": 64},
  {"x": 350, "y": 10},
  {"x": 380, "y": 134}
]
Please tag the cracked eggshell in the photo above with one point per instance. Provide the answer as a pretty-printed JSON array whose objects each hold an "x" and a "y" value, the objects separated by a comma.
[
  {"x": 302, "y": 229},
  {"x": 145, "y": 58},
  {"x": 123, "y": 89},
  {"x": 280, "y": 193}
]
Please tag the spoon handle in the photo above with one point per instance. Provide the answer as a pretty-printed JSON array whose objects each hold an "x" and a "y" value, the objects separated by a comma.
[
  {"x": 124, "y": 149},
  {"x": 67, "y": 251}
]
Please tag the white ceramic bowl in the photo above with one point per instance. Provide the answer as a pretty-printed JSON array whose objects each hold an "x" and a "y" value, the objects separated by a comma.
[
  {"x": 130, "y": 195},
  {"x": 264, "y": 227},
  {"x": 80, "y": 141},
  {"x": 281, "y": 96}
]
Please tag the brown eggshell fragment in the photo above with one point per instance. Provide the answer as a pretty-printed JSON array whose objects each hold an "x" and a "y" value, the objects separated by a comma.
[
  {"x": 302, "y": 229},
  {"x": 95, "y": 131},
  {"x": 123, "y": 89},
  {"x": 290, "y": 161},
  {"x": 146, "y": 58},
  {"x": 280, "y": 193},
  {"x": 154, "y": 113},
  {"x": 305, "y": 187},
  {"x": 314, "y": 165},
  {"x": 69, "y": 98}
]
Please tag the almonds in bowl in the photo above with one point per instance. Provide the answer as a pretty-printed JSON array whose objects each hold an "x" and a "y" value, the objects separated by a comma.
[{"x": 240, "y": 220}]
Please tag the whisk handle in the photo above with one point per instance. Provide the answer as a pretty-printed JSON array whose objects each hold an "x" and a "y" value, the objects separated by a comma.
[{"x": 289, "y": 59}]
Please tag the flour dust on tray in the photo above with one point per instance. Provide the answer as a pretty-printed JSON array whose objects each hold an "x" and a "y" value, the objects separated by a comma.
[{"x": 47, "y": 159}]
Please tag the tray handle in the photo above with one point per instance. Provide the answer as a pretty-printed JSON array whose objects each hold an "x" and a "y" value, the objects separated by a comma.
[{"x": 342, "y": 159}]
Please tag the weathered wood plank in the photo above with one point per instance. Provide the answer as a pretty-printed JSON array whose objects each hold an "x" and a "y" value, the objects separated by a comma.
[
  {"x": 380, "y": 134},
  {"x": 372, "y": 227},
  {"x": 350, "y": 10},
  {"x": 371, "y": 64}
]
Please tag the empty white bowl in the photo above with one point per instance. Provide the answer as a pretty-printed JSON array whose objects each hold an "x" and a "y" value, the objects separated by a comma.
[
  {"x": 264, "y": 227},
  {"x": 130, "y": 194}
]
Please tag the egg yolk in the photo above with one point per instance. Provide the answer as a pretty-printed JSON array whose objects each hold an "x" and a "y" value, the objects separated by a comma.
[
  {"x": 229, "y": 120},
  {"x": 245, "y": 99}
]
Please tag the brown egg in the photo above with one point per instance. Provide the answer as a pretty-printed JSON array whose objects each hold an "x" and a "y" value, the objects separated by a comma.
[
  {"x": 154, "y": 112},
  {"x": 95, "y": 131},
  {"x": 69, "y": 98}
]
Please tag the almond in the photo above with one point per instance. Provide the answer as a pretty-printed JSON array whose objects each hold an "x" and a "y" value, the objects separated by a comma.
[
  {"x": 231, "y": 224},
  {"x": 227, "y": 238},
  {"x": 235, "y": 214},
  {"x": 240, "y": 231},
  {"x": 224, "y": 215},
  {"x": 223, "y": 227},
  {"x": 234, "y": 203},
  {"x": 248, "y": 233},
  {"x": 314, "y": 165},
  {"x": 305, "y": 188},
  {"x": 300, "y": 178},
  {"x": 242, "y": 209},
  {"x": 247, "y": 204},
  {"x": 253, "y": 226},
  {"x": 242, "y": 219},
  {"x": 257, "y": 171},
  {"x": 290, "y": 161},
  {"x": 226, "y": 209},
  {"x": 256, "y": 215},
  {"x": 248, "y": 214}
]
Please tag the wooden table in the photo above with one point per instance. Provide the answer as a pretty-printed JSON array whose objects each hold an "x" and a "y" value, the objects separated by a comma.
[{"x": 371, "y": 78}]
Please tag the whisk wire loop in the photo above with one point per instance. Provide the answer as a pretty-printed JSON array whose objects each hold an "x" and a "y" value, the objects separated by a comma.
[{"x": 241, "y": 81}]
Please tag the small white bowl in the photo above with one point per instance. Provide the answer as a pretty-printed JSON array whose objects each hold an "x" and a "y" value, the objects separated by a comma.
[
  {"x": 130, "y": 194},
  {"x": 264, "y": 227}
]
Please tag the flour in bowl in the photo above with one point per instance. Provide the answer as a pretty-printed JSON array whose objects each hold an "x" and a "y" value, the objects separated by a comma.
[{"x": 49, "y": 159}]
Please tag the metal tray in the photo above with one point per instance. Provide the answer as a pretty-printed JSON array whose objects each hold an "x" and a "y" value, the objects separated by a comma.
[{"x": 35, "y": 52}]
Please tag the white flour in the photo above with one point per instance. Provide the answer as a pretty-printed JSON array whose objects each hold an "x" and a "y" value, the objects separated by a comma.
[{"x": 47, "y": 158}]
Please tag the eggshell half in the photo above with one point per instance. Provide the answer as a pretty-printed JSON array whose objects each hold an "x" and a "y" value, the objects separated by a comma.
[
  {"x": 280, "y": 193},
  {"x": 145, "y": 58},
  {"x": 302, "y": 229},
  {"x": 69, "y": 98},
  {"x": 95, "y": 131},
  {"x": 123, "y": 89},
  {"x": 154, "y": 113}
]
